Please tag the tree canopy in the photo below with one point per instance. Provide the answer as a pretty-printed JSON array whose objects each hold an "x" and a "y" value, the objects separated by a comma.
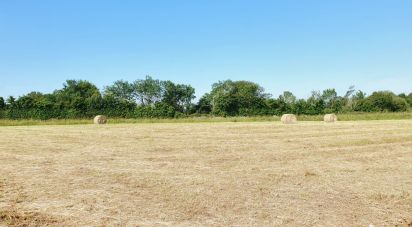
[{"x": 153, "y": 98}]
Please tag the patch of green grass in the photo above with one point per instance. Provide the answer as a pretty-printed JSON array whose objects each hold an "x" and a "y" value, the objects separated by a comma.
[
  {"x": 27, "y": 122},
  {"x": 374, "y": 116},
  {"x": 206, "y": 119}
]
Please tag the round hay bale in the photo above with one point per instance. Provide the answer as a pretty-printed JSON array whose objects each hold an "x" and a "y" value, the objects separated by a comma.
[
  {"x": 100, "y": 119},
  {"x": 288, "y": 119},
  {"x": 330, "y": 118}
]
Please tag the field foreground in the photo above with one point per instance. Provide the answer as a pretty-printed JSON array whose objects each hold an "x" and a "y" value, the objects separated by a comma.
[{"x": 221, "y": 174}]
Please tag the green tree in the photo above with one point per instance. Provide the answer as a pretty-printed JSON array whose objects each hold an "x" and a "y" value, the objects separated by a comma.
[
  {"x": 147, "y": 91},
  {"x": 387, "y": 101},
  {"x": 121, "y": 90},
  {"x": 303, "y": 107},
  {"x": 204, "y": 105},
  {"x": 10, "y": 101},
  {"x": 34, "y": 105},
  {"x": 286, "y": 102},
  {"x": 31, "y": 100},
  {"x": 315, "y": 103},
  {"x": 179, "y": 96},
  {"x": 287, "y": 97},
  {"x": 79, "y": 98},
  {"x": 2, "y": 103},
  {"x": 115, "y": 107},
  {"x": 359, "y": 103},
  {"x": 329, "y": 96},
  {"x": 402, "y": 95},
  {"x": 237, "y": 98},
  {"x": 409, "y": 99},
  {"x": 273, "y": 106},
  {"x": 332, "y": 102},
  {"x": 359, "y": 95}
]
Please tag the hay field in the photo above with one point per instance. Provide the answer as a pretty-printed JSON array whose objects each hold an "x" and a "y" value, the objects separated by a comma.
[{"x": 207, "y": 174}]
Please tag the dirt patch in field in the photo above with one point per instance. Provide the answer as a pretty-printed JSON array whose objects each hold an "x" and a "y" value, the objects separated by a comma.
[
  {"x": 12, "y": 198},
  {"x": 14, "y": 217}
]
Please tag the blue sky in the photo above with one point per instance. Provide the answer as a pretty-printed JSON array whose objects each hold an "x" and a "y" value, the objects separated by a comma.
[{"x": 293, "y": 45}]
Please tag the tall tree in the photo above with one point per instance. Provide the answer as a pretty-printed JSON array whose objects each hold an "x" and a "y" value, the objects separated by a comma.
[
  {"x": 2, "y": 103},
  {"x": 121, "y": 90},
  {"x": 179, "y": 96},
  {"x": 315, "y": 103},
  {"x": 79, "y": 95},
  {"x": 148, "y": 91},
  {"x": 287, "y": 97},
  {"x": 237, "y": 98},
  {"x": 332, "y": 102},
  {"x": 329, "y": 96},
  {"x": 10, "y": 101},
  {"x": 204, "y": 106},
  {"x": 286, "y": 102},
  {"x": 409, "y": 99}
]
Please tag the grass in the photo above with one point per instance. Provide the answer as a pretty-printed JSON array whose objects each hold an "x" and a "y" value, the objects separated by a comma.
[
  {"x": 194, "y": 174},
  {"x": 342, "y": 117}
]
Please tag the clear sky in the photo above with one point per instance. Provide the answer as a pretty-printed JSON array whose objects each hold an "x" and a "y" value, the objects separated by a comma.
[{"x": 283, "y": 45}]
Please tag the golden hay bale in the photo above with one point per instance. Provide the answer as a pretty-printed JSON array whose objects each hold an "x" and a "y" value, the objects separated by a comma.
[
  {"x": 100, "y": 119},
  {"x": 288, "y": 119},
  {"x": 330, "y": 118}
]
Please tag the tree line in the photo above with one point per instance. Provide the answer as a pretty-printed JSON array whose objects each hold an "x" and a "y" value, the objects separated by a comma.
[{"x": 152, "y": 98}]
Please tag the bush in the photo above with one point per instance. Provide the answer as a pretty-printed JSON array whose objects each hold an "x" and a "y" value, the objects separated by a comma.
[
  {"x": 158, "y": 110},
  {"x": 3, "y": 114},
  {"x": 387, "y": 101}
]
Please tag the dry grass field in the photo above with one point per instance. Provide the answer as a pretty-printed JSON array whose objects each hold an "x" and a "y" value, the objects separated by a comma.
[{"x": 207, "y": 174}]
